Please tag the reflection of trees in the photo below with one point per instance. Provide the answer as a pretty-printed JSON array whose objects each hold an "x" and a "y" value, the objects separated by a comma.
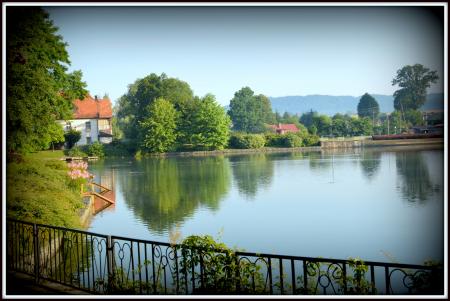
[
  {"x": 370, "y": 163},
  {"x": 169, "y": 190},
  {"x": 416, "y": 183},
  {"x": 252, "y": 172}
]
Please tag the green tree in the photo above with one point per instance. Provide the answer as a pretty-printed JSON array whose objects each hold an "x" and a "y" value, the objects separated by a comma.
[
  {"x": 414, "y": 117},
  {"x": 207, "y": 126},
  {"x": 323, "y": 124},
  {"x": 250, "y": 112},
  {"x": 307, "y": 119},
  {"x": 39, "y": 90},
  {"x": 368, "y": 106},
  {"x": 159, "y": 127},
  {"x": 71, "y": 137},
  {"x": 413, "y": 82},
  {"x": 131, "y": 108}
]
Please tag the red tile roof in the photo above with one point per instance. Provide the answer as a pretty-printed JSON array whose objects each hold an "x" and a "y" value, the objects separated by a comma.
[
  {"x": 91, "y": 108},
  {"x": 288, "y": 127}
]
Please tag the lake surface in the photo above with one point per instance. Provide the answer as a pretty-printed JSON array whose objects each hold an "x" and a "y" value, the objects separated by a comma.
[{"x": 376, "y": 204}]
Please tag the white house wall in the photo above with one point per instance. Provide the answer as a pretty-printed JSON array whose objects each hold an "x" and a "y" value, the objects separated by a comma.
[{"x": 80, "y": 125}]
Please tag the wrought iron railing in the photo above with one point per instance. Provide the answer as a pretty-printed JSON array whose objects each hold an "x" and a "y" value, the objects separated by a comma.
[{"x": 118, "y": 265}]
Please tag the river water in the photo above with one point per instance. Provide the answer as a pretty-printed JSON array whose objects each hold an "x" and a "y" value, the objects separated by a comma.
[{"x": 383, "y": 204}]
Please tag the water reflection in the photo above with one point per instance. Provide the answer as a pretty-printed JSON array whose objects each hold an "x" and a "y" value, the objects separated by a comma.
[
  {"x": 370, "y": 163},
  {"x": 166, "y": 191},
  {"x": 252, "y": 173},
  {"x": 412, "y": 168}
]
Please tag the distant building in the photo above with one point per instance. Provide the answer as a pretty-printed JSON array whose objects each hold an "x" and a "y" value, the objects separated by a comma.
[
  {"x": 92, "y": 117},
  {"x": 433, "y": 117},
  {"x": 284, "y": 128},
  {"x": 431, "y": 129}
]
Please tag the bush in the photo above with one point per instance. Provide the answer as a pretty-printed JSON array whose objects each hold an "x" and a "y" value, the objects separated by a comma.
[
  {"x": 76, "y": 151},
  {"x": 41, "y": 191},
  {"x": 291, "y": 140},
  {"x": 119, "y": 148},
  {"x": 95, "y": 149},
  {"x": 71, "y": 137},
  {"x": 312, "y": 140},
  {"x": 246, "y": 141},
  {"x": 284, "y": 140},
  {"x": 274, "y": 140}
]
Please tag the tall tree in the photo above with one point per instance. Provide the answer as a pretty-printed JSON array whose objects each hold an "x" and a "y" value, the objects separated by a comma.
[
  {"x": 368, "y": 106},
  {"x": 209, "y": 125},
  {"x": 131, "y": 106},
  {"x": 158, "y": 128},
  {"x": 39, "y": 89},
  {"x": 250, "y": 112},
  {"x": 413, "y": 82}
]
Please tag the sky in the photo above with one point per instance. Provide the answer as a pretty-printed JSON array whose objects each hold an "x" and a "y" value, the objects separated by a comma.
[{"x": 276, "y": 51}]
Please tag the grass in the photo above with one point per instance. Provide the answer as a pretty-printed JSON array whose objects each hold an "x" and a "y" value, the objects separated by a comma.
[
  {"x": 48, "y": 154},
  {"x": 39, "y": 191}
]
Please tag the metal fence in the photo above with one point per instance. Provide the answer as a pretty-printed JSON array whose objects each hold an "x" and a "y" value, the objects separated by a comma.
[{"x": 118, "y": 265}]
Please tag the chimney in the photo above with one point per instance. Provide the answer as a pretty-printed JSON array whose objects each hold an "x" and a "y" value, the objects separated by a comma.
[{"x": 96, "y": 98}]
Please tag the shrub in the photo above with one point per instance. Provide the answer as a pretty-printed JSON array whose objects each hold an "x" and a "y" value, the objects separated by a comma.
[
  {"x": 246, "y": 141},
  {"x": 41, "y": 191},
  {"x": 76, "y": 151},
  {"x": 284, "y": 140},
  {"x": 119, "y": 148},
  {"x": 312, "y": 140},
  {"x": 274, "y": 140},
  {"x": 291, "y": 140},
  {"x": 95, "y": 149},
  {"x": 71, "y": 137}
]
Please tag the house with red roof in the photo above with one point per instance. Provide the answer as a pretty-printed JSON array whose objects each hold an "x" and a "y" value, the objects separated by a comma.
[
  {"x": 284, "y": 128},
  {"x": 92, "y": 117}
]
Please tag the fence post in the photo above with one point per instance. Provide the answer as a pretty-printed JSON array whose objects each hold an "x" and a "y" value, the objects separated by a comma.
[
  {"x": 36, "y": 252},
  {"x": 110, "y": 259}
]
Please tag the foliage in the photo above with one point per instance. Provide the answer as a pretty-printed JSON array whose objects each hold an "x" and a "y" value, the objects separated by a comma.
[
  {"x": 361, "y": 126},
  {"x": 307, "y": 119},
  {"x": 283, "y": 140},
  {"x": 205, "y": 125},
  {"x": 311, "y": 140},
  {"x": 132, "y": 107},
  {"x": 75, "y": 151},
  {"x": 95, "y": 149},
  {"x": 119, "y": 148},
  {"x": 413, "y": 82},
  {"x": 246, "y": 141},
  {"x": 159, "y": 128},
  {"x": 40, "y": 191},
  {"x": 414, "y": 118},
  {"x": 250, "y": 112},
  {"x": 39, "y": 89},
  {"x": 368, "y": 106},
  {"x": 71, "y": 137}
]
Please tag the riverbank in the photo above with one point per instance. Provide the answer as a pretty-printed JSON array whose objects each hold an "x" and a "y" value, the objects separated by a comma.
[
  {"x": 237, "y": 151},
  {"x": 357, "y": 143},
  {"x": 40, "y": 191}
]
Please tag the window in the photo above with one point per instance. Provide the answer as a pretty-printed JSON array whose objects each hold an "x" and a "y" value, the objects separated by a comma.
[
  {"x": 103, "y": 124},
  {"x": 88, "y": 140},
  {"x": 88, "y": 126}
]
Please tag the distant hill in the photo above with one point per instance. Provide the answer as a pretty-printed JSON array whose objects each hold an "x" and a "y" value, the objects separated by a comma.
[{"x": 330, "y": 105}]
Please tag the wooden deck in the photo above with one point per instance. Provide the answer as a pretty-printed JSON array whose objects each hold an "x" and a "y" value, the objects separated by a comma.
[{"x": 102, "y": 199}]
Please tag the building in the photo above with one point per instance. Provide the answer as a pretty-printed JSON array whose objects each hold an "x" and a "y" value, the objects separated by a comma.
[
  {"x": 92, "y": 117},
  {"x": 284, "y": 128}
]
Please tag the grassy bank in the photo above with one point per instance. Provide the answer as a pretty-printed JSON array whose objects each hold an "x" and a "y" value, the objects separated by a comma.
[{"x": 39, "y": 190}]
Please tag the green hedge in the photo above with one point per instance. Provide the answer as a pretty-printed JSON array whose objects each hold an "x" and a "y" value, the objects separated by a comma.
[{"x": 246, "y": 141}]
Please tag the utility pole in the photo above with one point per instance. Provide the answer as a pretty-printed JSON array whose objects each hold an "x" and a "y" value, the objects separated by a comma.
[{"x": 388, "y": 122}]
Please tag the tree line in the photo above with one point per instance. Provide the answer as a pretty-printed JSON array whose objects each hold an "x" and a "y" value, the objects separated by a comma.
[{"x": 159, "y": 113}]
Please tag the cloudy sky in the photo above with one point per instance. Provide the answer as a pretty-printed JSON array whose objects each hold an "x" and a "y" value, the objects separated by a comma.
[{"x": 277, "y": 51}]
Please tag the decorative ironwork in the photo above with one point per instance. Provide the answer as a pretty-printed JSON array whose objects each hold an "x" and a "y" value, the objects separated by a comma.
[{"x": 118, "y": 265}]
